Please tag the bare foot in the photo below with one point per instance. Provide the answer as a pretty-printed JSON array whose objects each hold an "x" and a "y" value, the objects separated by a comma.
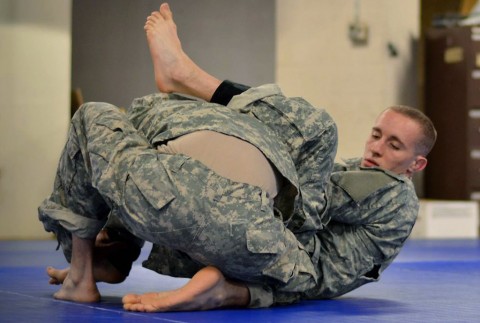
[
  {"x": 171, "y": 64},
  {"x": 174, "y": 70},
  {"x": 103, "y": 271},
  {"x": 79, "y": 284},
  {"x": 208, "y": 289},
  {"x": 75, "y": 290},
  {"x": 57, "y": 276},
  {"x": 107, "y": 253}
]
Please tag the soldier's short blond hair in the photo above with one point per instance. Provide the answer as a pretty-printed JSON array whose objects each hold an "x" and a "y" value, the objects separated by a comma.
[{"x": 429, "y": 134}]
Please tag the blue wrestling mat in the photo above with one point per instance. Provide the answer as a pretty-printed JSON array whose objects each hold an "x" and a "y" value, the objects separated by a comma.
[{"x": 431, "y": 281}]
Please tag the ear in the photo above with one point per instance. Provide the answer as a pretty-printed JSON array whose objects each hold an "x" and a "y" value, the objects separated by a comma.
[{"x": 418, "y": 164}]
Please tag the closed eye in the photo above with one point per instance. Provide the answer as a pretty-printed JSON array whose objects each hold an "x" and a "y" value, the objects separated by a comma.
[
  {"x": 376, "y": 134},
  {"x": 395, "y": 146}
]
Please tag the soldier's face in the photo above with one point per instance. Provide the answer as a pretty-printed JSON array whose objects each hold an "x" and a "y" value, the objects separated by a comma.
[{"x": 391, "y": 144}]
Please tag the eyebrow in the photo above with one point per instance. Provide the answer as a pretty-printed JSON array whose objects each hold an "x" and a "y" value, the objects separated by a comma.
[{"x": 391, "y": 138}]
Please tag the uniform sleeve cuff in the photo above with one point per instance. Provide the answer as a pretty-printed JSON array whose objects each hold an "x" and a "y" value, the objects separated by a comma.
[
  {"x": 260, "y": 296},
  {"x": 226, "y": 91}
]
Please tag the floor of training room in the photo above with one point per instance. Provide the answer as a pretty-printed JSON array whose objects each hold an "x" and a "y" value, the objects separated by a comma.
[{"x": 430, "y": 281}]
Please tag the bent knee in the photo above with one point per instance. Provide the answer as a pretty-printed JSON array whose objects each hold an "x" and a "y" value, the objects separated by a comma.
[{"x": 91, "y": 111}]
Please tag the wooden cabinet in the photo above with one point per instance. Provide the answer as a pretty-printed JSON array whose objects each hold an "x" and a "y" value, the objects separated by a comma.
[{"x": 452, "y": 101}]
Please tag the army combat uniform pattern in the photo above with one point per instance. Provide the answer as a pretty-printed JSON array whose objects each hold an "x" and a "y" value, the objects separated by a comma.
[
  {"x": 350, "y": 241},
  {"x": 370, "y": 215},
  {"x": 370, "y": 212},
  {"x": 110, "y": 165}
]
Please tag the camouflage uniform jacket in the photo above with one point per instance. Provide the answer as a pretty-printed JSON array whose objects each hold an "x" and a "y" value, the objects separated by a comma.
[
  {"x": 299, "y": 140},
  {"x": 372, "y": 213}
]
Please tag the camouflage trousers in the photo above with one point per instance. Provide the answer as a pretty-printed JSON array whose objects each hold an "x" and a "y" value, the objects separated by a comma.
[{"x": 169, "y": 200}]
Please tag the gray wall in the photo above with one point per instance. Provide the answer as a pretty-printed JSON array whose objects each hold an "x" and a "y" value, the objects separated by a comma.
[{"x": 228, "y": 38}]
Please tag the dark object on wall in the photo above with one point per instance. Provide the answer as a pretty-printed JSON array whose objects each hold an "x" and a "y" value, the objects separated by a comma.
[{"x": 452, "y": 101}]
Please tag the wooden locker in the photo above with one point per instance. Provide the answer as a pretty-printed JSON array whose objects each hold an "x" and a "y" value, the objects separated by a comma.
[{"x": 452, "y": 101}]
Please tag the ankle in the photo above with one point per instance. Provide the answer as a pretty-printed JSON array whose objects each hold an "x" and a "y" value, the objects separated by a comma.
[
  {"x": 237, "y": 294},
  {"x": 184, "y": 75},
  {"x": 80, "y": 276}
]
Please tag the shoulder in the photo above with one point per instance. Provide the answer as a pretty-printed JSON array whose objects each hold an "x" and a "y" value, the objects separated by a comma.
[{"x": 361, "y": 183}]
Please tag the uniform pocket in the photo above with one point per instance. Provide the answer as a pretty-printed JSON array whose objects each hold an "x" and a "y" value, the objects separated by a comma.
[
  {"x": 269, "y": 247},
  {"x": 151, "y": 180},
  {"x": 108, "y": 136}
]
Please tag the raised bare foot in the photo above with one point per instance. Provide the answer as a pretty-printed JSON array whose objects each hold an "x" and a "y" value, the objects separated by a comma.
[
  {"x": 208, "y": 289},
  {"x": 174, "y": 70},
  {"x": 171, "y": 64}
]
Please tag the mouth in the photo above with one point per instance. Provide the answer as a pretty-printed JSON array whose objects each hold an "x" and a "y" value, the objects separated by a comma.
[{"x": 369, "y": 163}]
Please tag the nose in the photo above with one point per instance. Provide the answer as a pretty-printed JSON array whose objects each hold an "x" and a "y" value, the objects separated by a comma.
[{"x": 376, "y": 148}]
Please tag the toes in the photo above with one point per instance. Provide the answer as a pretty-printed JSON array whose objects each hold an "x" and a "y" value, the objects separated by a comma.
[
  {"x": 51, "y": 272},
  {"x": 136, "y": 303},
  {"x": 138, "y": 307},
  {"x": 131, "y": 299},
  {"x": 57, "y": 276},
  {"x": 165, "y": 11},
  {"x": 130, "y": 307}
]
